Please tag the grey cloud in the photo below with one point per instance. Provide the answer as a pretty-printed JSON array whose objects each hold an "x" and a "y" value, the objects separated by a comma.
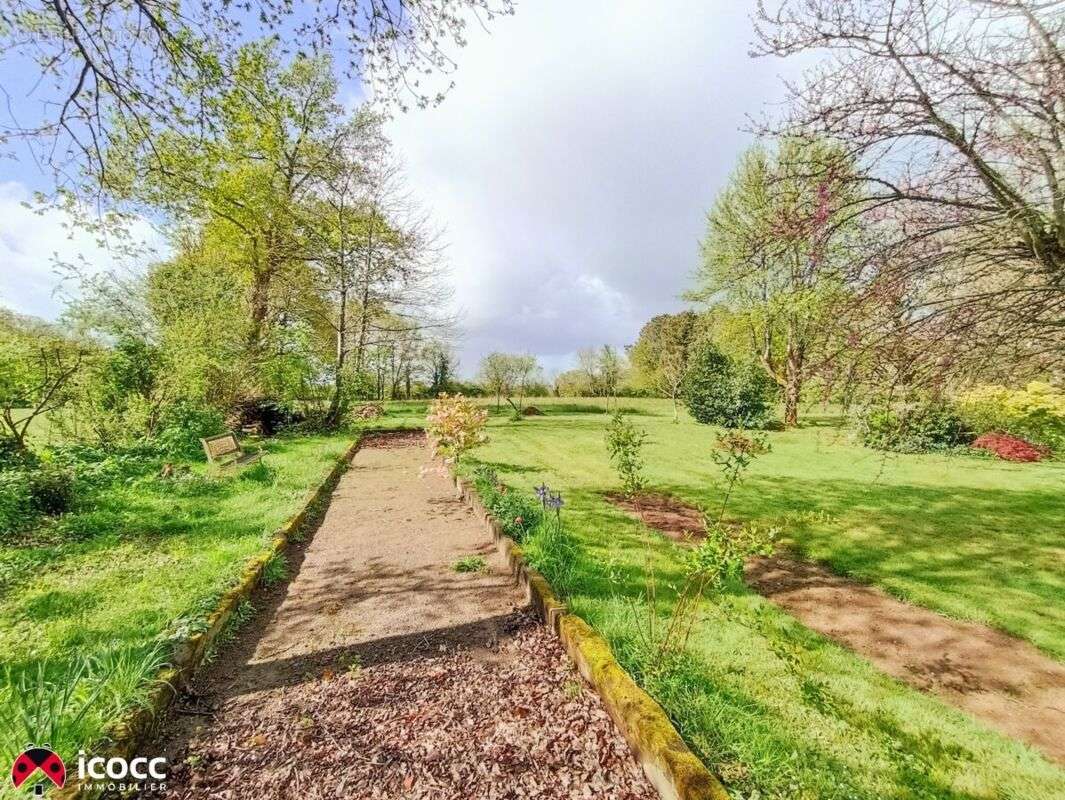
[{"x": 574, "y": 162}]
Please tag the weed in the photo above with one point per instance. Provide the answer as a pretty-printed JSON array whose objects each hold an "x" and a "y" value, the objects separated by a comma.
[
  {"x": 241, "y": 614},
  {"x": 470, "y": 564},
  {"x": 572, "y": 689},
  {"x": 275, "y": 570}
]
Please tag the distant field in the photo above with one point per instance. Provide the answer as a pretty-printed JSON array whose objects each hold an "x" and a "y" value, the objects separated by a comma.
[{"x": 776, "y": 709}]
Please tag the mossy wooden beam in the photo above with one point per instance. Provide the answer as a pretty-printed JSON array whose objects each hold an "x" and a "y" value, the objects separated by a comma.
[
  {"x": 671, "y": 767},
  {"x": 125, "y": 736}
]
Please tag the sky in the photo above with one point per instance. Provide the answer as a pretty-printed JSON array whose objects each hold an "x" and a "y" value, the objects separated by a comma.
[{"x": 570, "y": 167}]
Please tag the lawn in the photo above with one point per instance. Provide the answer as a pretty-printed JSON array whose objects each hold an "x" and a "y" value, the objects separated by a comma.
[
  {"x": 142, "y": 563},
  {"x": 775, "y": 709}
]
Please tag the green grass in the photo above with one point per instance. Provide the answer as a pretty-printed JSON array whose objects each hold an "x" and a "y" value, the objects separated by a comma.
[
  {"x": 773, "y": 707},
  {"x": 146, "y": 560}
]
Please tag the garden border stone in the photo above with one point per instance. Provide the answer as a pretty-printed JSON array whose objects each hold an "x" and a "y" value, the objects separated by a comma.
[
  {"x": 671, "y": 767},
  {"x": 123, "y": 737}
]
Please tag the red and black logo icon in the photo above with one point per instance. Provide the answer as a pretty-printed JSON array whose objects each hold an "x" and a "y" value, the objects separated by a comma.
[{"x": 39, "y": 758}]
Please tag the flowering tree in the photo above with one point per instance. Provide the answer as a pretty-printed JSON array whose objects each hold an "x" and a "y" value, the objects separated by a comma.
[
  {"x": 953, "y": 110},
  {"x": 456, "y": 425}
]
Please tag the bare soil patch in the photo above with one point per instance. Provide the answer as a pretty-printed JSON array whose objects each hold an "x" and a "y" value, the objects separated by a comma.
[
  {"x": 664, "y": 513},
  {"x": 380, "y": 672},
  {"x": 1002, "y": 680}
]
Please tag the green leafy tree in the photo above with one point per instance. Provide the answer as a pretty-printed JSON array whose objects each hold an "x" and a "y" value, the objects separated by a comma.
[
  {"x": 661, "y": 354},
  {"x": 39, "y": 368},
  {"x": 625, "y": 443},
  {"x": 774, "y": 254},
  {"x": 278, "y": 127},
  {"x": 497, "y": 375}
]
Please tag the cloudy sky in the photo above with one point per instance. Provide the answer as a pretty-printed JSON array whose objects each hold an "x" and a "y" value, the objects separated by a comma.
[{"x": 571, "y": 167}]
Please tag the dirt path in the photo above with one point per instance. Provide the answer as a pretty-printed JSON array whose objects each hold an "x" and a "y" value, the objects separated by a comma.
[
  {"x": 1004, "y": 681},
  {"x": 380, "y": 672}
]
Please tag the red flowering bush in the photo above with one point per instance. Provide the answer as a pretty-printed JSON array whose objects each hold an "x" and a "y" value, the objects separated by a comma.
[{"x": 1010, "y": 447}]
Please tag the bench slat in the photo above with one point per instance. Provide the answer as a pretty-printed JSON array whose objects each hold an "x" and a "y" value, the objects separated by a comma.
[{"x": 219, "y": 446}]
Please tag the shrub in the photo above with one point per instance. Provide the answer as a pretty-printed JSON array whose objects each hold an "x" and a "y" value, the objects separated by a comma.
[
  {"x": 16, "y": 504},
  {"x": 515, "y": 512},
  {"x": 1010, "y": 448},
  {"x": 456, "y": 425},
  {"x": 14, "y": 457},
  {"x": 98, "y": 467},
  {"x": 912, "y": 429},
  {"x": 718, "y": 391},
  {"x": 52, "y": 489},
  {"x": 27, "y": 493},
  {"x": 183, "y": 425},
  {"x": 1035, "y": 413}
]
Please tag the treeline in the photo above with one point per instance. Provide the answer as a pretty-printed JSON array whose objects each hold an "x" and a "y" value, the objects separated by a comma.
[{"x": 303, "y": 276}]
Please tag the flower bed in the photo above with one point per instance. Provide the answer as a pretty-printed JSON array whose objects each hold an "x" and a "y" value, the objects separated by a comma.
[{"x": 1010, "y": 448}]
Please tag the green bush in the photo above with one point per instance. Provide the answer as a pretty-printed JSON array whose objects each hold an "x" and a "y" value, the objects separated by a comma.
[
  {"x": 99, "y": 466},
  {"x": 518, "y": 514},
  {"x": 183, "y": 425},
  {"x": 52, "y": 489},
  {"x": 1035, "y": 413},
  {"x": 14, "y": 457},
  {"x": 25, "y": 494},
  {"x": 913, "y": 429},
  {"x": 625, "y": 443},
  {"x": 16, "y": 503},
  {"x": 718, "y": 391}
]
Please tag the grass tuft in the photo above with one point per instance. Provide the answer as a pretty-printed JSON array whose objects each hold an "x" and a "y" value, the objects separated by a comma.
[{"x": 470, "y": 564}]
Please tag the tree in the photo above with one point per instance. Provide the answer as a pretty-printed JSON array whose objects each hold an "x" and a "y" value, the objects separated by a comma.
[
  {"x": 775, "y": 252},
  {"x": 955, "y": 113},
  {"x": 38, "y": 371},
  {"x": 441, "y": 363},
  {"x": 610, "y": 368},
  {"x": 497, "y": 375},
  {"x": 602, "y": 369},
  {"x": 278, "y": 128},
  {"x": 149, "y": 66},
  {"x": 573, "y": 383},
  {"x": 661, "y": 353},
  {"x": 524, "y": 370}
]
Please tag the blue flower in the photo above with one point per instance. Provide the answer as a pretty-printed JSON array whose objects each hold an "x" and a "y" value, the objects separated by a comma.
[
  {"x": 542, "y": 492},
  {"x": 554, "y": 501}
]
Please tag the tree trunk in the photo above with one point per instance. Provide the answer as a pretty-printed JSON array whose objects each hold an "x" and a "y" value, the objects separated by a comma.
[
  {"x": 364, "y": 318},
  {"x": 793, "y": 385},
  {"x": 336, "y": 410},
  {"x": 260, "y": 307}
]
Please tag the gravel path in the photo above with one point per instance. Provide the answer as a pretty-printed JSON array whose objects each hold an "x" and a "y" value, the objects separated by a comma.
[{"x": 380, "y": 672}]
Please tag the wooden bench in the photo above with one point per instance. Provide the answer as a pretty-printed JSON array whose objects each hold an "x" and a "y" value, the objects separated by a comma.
[{"x": 225, "y": 451}]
